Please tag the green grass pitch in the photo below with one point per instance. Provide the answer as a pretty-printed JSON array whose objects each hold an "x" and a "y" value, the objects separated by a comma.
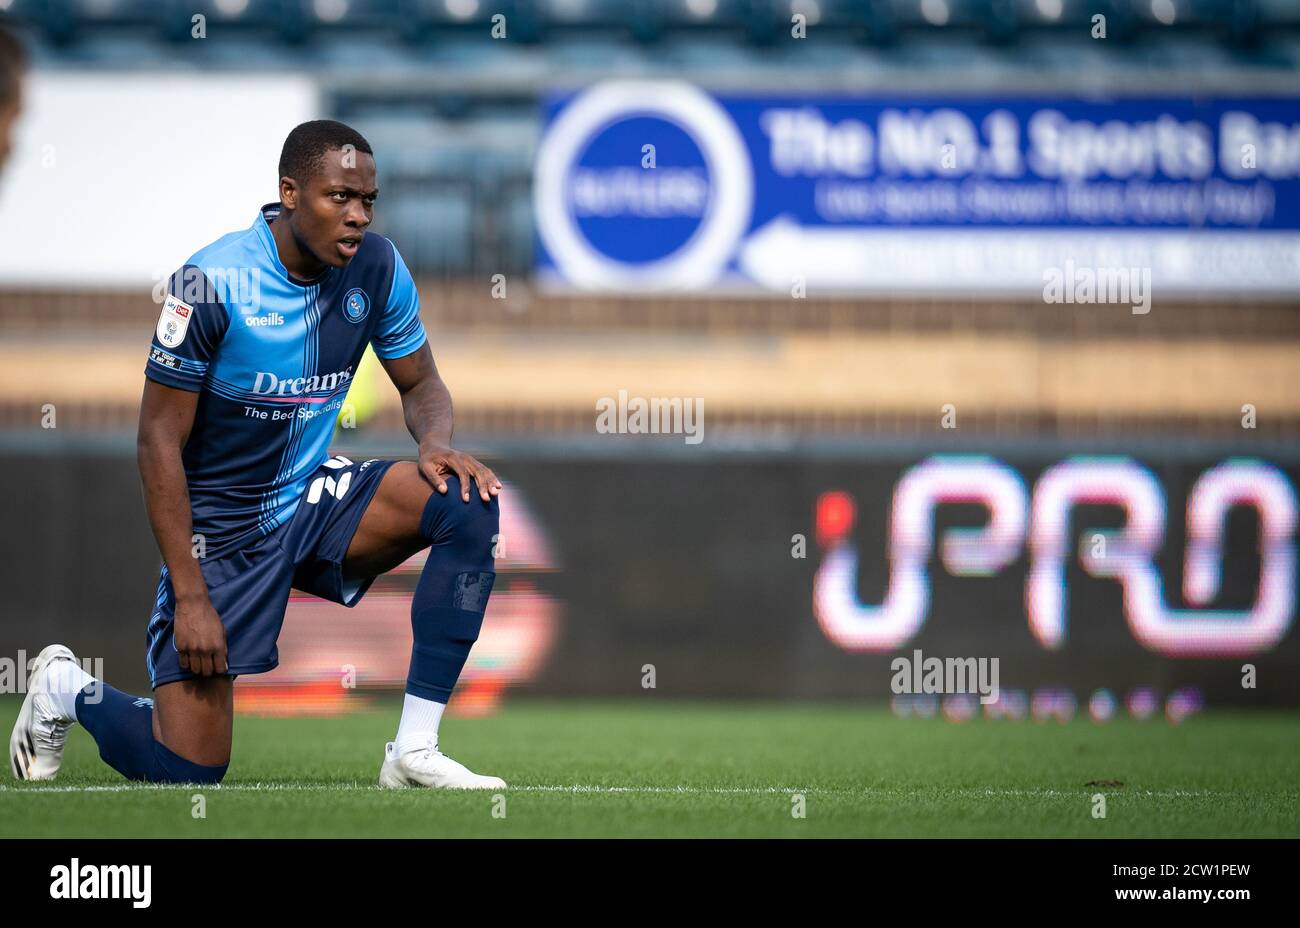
[{"x": 661, "y": 768}]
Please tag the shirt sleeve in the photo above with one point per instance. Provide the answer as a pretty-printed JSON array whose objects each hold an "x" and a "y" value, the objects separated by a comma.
[
  {"x": 190, "y": 328},
  {"x": 399, "y": 331}
]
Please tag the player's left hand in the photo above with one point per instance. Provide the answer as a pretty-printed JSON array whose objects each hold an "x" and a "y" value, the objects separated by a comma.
[{"x": 438, "y": 462}]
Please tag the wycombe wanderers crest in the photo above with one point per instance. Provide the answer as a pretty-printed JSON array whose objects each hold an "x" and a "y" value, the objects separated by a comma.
[{"x": 356, "y": 305}]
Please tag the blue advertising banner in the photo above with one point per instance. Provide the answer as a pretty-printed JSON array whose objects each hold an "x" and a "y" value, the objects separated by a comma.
[{"x": 654, "y": 186}]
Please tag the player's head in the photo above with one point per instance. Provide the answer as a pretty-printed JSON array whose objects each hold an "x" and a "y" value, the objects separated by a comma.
[
  {"x": 327, "y": 189},
  {"x": 12, "y": 61}
]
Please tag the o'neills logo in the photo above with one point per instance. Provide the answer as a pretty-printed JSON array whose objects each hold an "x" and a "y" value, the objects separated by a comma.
[{"x": 267, "y": 384}]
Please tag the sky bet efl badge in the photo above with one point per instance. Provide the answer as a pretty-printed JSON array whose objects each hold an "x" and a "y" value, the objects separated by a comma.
[{"x": 173, "y": 322}]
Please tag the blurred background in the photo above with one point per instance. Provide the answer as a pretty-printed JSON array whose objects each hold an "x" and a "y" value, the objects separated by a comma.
[{"x": 981, "y": 318}]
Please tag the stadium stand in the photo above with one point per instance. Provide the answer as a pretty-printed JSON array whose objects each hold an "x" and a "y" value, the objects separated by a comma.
[{"x": 454, "y": 116}]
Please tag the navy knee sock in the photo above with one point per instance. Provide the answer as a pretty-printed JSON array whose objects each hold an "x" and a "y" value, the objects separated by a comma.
[
  {"x": 452, "y": 594},
  {"x": 122, "y": 726}
]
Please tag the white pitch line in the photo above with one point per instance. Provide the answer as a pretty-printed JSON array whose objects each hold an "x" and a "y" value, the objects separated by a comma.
[
  {"x": 865, "y": 792},
  {"x": 335, "y": 787}
]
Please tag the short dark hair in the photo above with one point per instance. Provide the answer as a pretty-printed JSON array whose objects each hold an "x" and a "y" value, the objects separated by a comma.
[
  {"x": 13, "y": 59},
  {"x": 305, "y": 147}
]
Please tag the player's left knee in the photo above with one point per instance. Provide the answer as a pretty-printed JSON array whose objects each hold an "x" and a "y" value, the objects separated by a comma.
[
  {"x": 471, "y": 526},
  {"x": 481, "y": 521}
]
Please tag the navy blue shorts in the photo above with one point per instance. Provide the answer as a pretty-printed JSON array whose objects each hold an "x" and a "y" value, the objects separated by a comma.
[{"x": 250, "y": 588}]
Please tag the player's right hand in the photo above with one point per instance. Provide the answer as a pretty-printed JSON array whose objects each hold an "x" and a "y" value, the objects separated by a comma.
[{"x": 200, "y": 638}]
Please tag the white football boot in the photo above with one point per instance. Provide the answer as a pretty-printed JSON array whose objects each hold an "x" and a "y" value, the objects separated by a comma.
[
  {"x": 428, "y": 766},
  {"x": 36, "y": 745}
]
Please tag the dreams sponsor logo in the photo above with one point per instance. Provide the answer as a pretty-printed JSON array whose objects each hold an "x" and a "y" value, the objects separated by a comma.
[{"x": 268, "y": 384}]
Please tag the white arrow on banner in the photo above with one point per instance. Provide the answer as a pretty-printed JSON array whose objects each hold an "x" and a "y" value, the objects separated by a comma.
[{"x": 861, "y": 258}]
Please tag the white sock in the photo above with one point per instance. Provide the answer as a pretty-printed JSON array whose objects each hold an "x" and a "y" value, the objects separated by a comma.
[
  {"x": 63, "y": 681},
  {"x": 419, "y": 725}
]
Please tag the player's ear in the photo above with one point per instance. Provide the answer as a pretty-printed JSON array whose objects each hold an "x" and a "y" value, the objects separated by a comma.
[{"x": 288, "y": 193}]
